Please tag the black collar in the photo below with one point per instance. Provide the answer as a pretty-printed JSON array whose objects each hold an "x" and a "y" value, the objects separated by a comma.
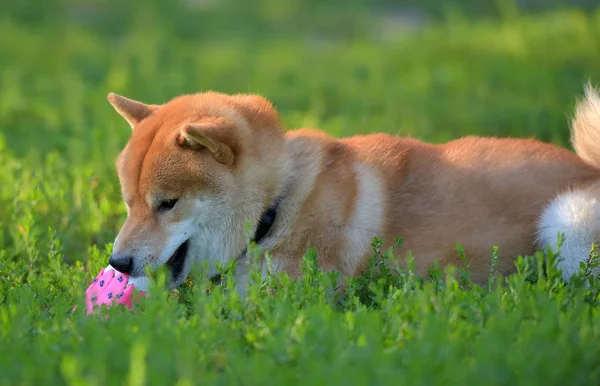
[
  {"x": 264, "y": 226},
  {"x": 266, "y": 221}
]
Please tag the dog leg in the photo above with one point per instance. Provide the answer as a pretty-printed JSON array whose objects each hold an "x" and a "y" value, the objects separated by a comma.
[{"x": 575, "y": 214}]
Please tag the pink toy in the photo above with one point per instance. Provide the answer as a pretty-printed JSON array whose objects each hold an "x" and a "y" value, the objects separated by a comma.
[{"x": 108, "y": 287}]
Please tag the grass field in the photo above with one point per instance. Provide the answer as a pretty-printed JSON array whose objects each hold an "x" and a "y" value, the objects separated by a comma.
[{"x": 437, "y": 74}]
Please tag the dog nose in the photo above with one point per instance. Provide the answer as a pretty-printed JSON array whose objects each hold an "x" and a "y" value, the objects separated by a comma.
[{"x": 123, "y": 264}]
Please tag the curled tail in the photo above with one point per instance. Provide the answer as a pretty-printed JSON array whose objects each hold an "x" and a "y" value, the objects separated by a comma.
[
  {"x": 585, "y": 127},
  {"x": 575, "y": 213}
]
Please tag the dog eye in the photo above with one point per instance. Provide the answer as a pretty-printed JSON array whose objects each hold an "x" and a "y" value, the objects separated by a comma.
[{"x": 167, "y": 205}]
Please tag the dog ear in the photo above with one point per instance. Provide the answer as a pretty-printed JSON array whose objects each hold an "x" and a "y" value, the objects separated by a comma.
[
  {"x": 133, "y": 111},
  {"x": 213, "y": 136}
]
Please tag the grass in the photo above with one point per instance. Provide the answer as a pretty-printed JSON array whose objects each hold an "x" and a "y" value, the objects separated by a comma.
[{"x": 339, "y": 69}]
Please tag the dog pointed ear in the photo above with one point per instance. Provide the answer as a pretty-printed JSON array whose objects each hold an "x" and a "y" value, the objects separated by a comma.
[
  {"x": 212, "y": 136},
  {"x": 133, "y": 111}
]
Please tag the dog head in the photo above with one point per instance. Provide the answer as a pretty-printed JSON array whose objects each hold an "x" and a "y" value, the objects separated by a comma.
[{"x": 193, "y": 173}]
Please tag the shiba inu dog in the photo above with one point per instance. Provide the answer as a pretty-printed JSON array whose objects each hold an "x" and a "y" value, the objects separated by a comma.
[{"x": 197, "y": 169}]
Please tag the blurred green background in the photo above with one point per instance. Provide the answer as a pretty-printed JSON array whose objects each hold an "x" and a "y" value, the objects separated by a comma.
[{"x": 432, "y": 69}]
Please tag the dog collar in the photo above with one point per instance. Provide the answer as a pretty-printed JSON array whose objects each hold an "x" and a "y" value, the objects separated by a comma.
[
  {"x": 266, "y": 221},
  {"x": 264, "y": 226}
]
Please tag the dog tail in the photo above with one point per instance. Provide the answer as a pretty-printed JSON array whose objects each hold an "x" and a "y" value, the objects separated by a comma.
[{"x": 585, "y": 127}]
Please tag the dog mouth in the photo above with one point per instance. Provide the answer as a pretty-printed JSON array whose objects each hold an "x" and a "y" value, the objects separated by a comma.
[{"x": 177, "y": 261}]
